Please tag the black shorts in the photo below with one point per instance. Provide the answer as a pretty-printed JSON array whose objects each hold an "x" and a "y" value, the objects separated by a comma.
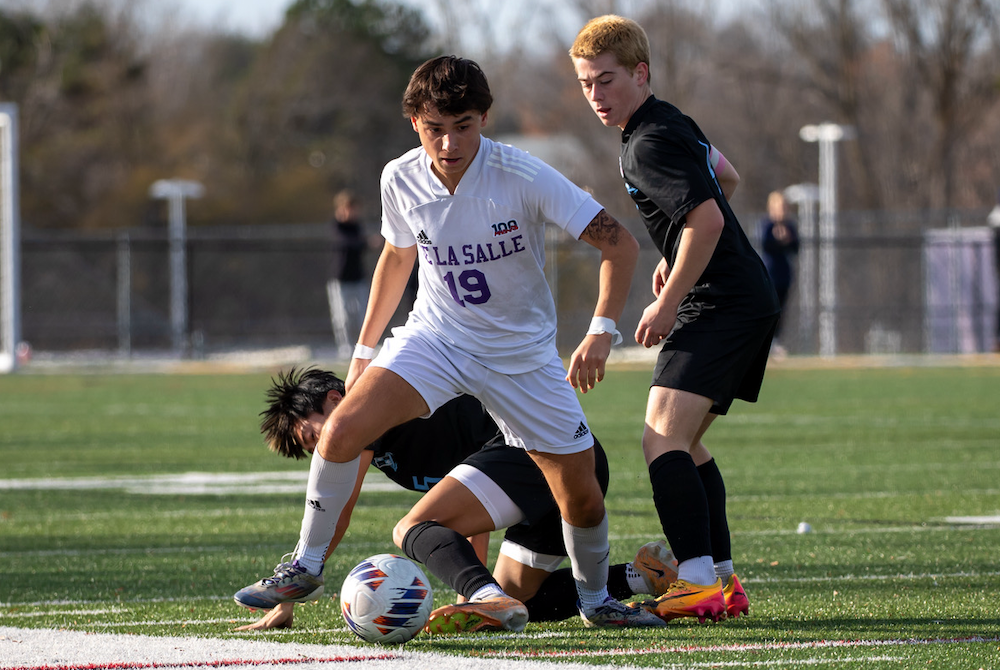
[
  {"x": 721, "y": 363},
  {"x": 513, "y": 471}
]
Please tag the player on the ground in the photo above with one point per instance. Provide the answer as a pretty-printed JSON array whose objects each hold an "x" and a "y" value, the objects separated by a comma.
[
  {"x": 715, "y": 308},
  {"x": 475, "y": 485},
  {"x": 472, "y": 212}
]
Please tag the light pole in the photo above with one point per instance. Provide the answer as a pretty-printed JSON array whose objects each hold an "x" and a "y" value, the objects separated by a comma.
[
  {"x": 827, "y": 134},
  {"x": 174, "y": 191},
  {"x": 10, "y": 239}
]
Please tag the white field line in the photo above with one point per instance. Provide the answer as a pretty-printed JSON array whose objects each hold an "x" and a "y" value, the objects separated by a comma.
[
  {"x": 42, "y": 649},
  {"x": 746, "y": 647},
  {"x": 45, "y": 649},
  {"x": 627, "y": 502},
  {"x": 41, "y": 613},
  {"x": 867, "y": 421},
  {"x": 190, "y": 483},
  {"x": 782, "y": 663},
  {"x": 974, "y": 520},
  {"x": 51, "y": 553},
  {"x": 253, "y": 483}
]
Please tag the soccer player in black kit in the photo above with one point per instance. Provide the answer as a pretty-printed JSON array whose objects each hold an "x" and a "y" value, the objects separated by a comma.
[
  {"x": 714, "y": 312},
  {"x": 475, "y": 484}
]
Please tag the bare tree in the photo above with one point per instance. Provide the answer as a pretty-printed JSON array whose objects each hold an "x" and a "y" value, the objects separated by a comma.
[
  {"x": 952, "y": 46},
  {"x": 80, "y": 78},
  {"x": 831, "y": 41},
  {"x": 320, "y": 107}
]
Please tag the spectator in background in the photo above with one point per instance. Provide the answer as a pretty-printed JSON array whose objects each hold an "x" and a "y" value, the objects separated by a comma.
[
  {"x": 779, "y": 245},
  {"x": 347, "y": 289},
  {"x": 994, "y": 221}
]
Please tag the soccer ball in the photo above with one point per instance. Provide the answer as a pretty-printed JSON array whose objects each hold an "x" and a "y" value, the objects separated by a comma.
[{"x": 386, "y": 599}]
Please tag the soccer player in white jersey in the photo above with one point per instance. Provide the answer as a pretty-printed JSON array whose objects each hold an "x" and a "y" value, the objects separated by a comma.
[{"x": 471, "y": 212}]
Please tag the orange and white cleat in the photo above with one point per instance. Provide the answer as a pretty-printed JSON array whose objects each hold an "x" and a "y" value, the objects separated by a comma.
[
  {"x": 498, "y": 613},
  {"x": 657, "y": 565}
]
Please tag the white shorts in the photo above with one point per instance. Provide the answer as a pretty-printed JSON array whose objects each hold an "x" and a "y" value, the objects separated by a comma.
[
  {"x": 536, "y": 410},
  {"x": 505, "y": 513},
  {"x": 532, "y": 559},
  {"x": 502, "y": 509}
]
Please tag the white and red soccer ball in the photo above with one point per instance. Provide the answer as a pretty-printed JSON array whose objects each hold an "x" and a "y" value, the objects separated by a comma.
[{"x": 386, "y": 599}]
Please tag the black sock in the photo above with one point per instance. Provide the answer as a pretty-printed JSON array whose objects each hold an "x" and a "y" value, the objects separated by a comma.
[
  {"x": 715, "y": 490},
  {"x": 681, "y": 503},
  {"x": 556, "y": 597},
  {"x": 448, "y": 556}
]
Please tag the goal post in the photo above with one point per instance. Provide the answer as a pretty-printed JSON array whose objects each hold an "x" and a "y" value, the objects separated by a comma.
[{"x": 10, "y": 240}]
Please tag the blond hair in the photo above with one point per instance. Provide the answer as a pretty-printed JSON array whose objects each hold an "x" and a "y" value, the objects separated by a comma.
[{"x": 610, "y": 33}]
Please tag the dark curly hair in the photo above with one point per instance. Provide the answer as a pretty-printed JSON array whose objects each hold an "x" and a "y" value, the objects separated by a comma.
[
  {"x": 292, "y": 397},
  {"x": 449, "y": 84}
]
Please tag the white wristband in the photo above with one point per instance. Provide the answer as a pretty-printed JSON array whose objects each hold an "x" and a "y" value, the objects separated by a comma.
[
  {"x": 602, "y": 324},
  {"x": 361, "y": 351}
]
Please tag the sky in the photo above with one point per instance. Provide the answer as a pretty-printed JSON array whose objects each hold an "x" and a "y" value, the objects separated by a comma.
[
  {"x": 259, "y": 17},
  {"x": 252, "y": 17}
]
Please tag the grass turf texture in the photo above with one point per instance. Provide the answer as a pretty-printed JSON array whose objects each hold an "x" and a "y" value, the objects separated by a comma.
[{"x": 876, "y": 460}]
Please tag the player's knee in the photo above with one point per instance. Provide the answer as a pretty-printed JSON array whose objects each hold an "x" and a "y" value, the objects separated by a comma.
[
  {"x": 400, "y": 530},
  {"x": 594, "y": 512},
  {"x": 584, "y": 511},
  {"x": 339, "y": 443}
]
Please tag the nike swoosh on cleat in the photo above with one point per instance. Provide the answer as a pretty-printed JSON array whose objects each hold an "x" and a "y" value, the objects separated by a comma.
[
  {"x": 652, "y": 569},
  {"x": 679, "y": 595}
]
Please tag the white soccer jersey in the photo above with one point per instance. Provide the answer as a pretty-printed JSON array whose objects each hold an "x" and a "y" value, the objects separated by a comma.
[{"x": 482, "y": 250}]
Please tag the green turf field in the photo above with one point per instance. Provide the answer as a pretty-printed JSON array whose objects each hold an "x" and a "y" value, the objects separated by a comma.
[{"x": 890, "y": 466}]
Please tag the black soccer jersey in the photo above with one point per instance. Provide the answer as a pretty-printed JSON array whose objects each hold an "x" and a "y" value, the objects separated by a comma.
[
  {"x": 419, "y": 453},
  {"x": 667, "y": 171}
]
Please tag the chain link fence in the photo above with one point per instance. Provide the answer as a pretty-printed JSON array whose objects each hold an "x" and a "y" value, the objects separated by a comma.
[{"x": 905, "y": 283}]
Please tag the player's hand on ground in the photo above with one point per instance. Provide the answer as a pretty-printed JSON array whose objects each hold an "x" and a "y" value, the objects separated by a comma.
[
  {"x": 279, "y": 617},
  {"x": 586, "y": 366}
]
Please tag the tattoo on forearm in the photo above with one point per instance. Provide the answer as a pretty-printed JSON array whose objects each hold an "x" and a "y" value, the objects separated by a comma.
[{"x": 604, "y": 228}]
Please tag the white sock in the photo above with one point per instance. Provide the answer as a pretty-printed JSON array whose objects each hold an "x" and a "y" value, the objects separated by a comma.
[
  {"x": 330, "y": 487},
  {"x": 700, "y": 570},
  {"x": 589, "y": 551},
  {"x": 488, "y": 591},
  {"x": 636, "y": 582},
  {"x": 724, "y": 570}
]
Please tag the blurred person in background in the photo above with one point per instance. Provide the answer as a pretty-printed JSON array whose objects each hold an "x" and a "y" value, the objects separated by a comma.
[
  {"x": 347, "y": 289},
  {"x": 994, "y": 222},
  {"x": 779, "y": 240}
]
